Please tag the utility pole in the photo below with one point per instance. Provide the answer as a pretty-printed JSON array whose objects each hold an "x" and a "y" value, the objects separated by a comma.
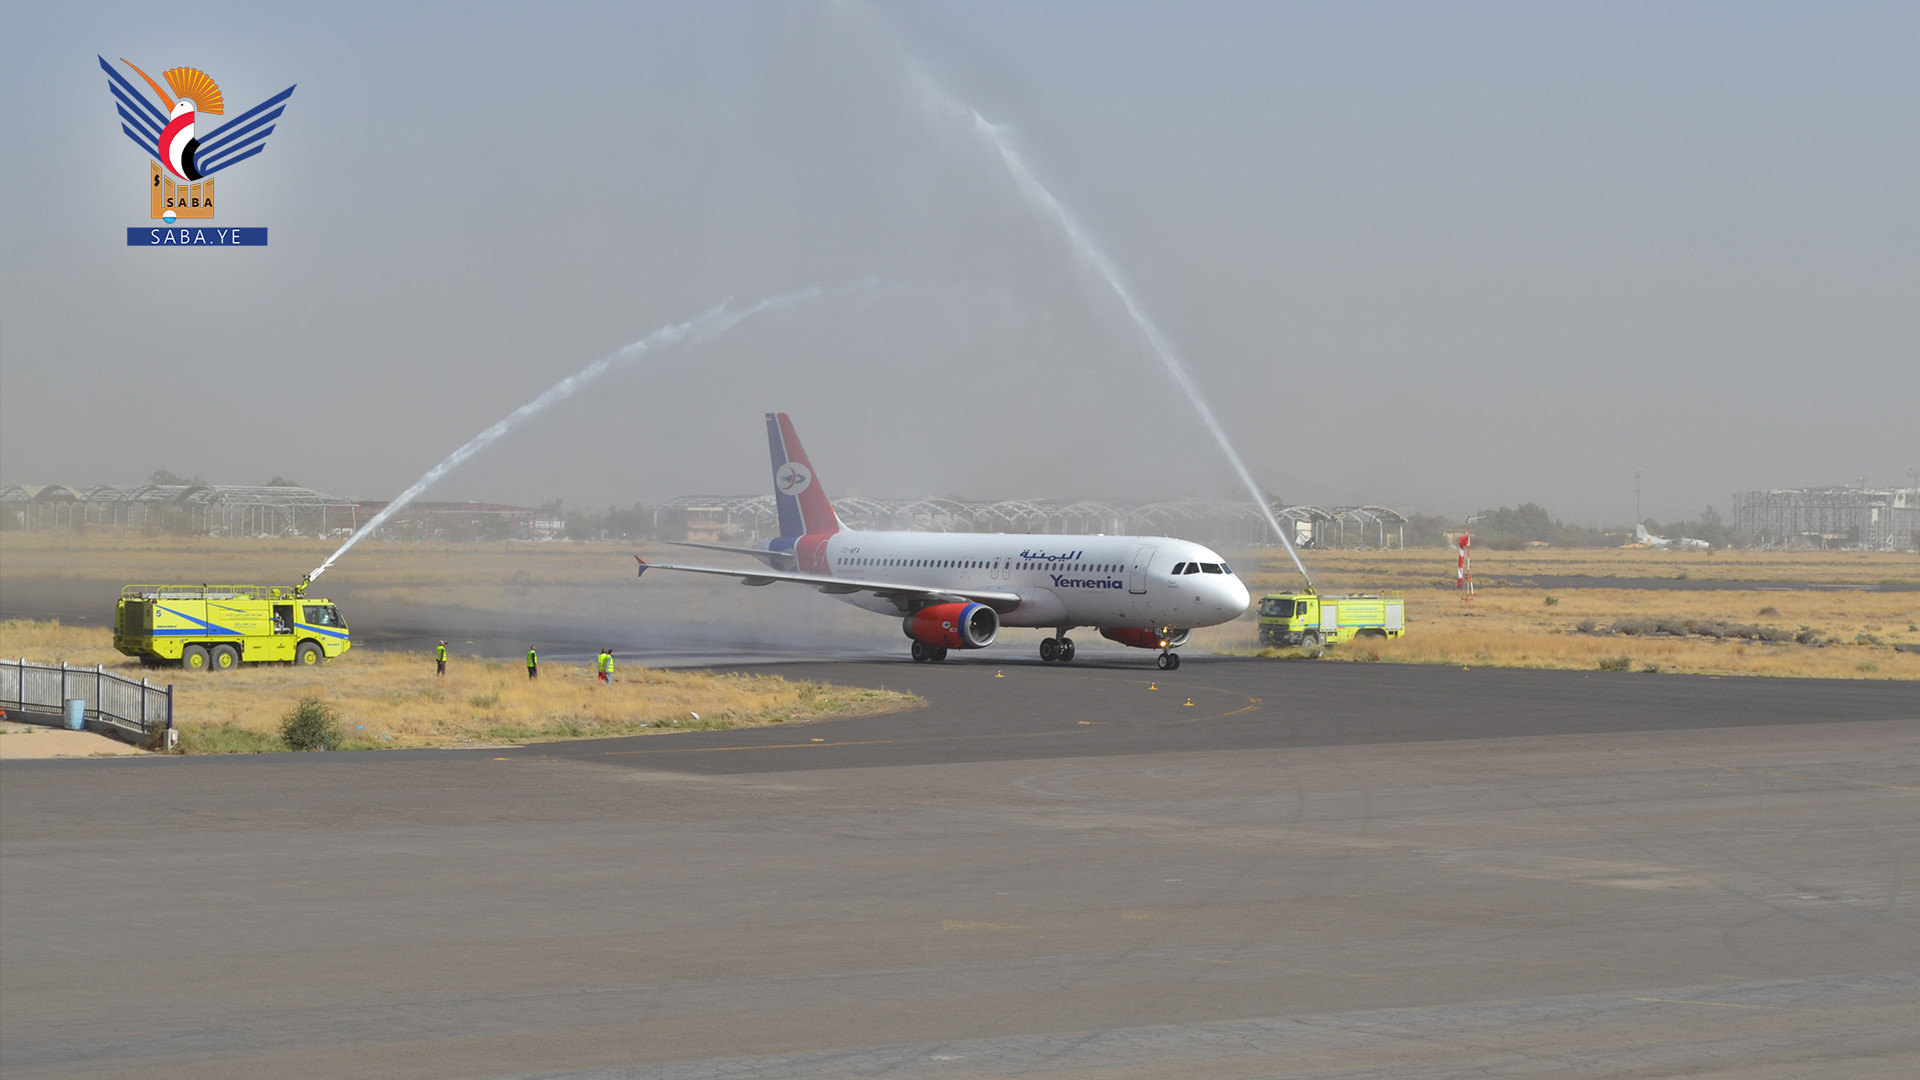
[{"x": 1637, "y": 519}]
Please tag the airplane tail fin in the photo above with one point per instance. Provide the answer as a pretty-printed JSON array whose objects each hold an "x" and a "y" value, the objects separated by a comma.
[
  {"x": 803, "y": 503},
  {"x": 1640, "y": 533}
]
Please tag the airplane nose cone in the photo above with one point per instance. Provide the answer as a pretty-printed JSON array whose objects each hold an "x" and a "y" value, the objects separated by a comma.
[{"x": 1236, "y": 597}]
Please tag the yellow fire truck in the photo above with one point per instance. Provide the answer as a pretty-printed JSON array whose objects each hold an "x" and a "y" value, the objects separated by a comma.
[
  {"x": 1309, "y": 620},
  {"x": 220, "y": 626}
]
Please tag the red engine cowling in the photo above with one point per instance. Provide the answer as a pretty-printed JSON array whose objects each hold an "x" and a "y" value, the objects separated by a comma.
[
  {"x": 954, "y": 626},
  {"x": 1171, "y": 638}
]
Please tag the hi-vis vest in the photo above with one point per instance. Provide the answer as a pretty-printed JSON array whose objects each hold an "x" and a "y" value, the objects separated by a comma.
[
  {"x": 439, "y": 652},
  {"x": 533, "y": 658},
  {"x": 606, "y": 663}
]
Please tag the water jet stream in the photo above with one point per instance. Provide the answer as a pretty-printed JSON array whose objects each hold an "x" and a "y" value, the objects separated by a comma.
[
  {"x": 1089, "y": 252},
  {"x": 706, "y": 326}
]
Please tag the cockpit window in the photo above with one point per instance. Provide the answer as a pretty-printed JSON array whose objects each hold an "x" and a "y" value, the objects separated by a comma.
[
  {"x": 1225, "y": 569},
  {"x": 1179, "y": 568},
  {"x": 1210, "y": 567}
]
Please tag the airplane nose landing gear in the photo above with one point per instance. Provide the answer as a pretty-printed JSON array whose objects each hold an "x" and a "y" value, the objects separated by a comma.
[{"x": 1169, "y": 661}]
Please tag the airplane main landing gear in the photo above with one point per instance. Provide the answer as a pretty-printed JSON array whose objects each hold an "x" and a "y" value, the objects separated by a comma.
[
  {"x": 1169, "y": 661},
  {"x": 1060, "y": 648},
  {"x": 925, "y": 653}
]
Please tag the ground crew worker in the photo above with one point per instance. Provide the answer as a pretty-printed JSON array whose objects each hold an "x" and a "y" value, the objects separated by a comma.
[
  {"x": 440, "y": 658},
  {"x": 606, "y": 665},
  {"x": 533, "y": 663}
]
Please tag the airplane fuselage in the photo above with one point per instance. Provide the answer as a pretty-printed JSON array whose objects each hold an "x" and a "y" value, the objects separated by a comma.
[{"x": 1105, "y": 581}]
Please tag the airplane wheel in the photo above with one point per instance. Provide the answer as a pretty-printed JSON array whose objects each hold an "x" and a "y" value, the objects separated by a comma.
[
  {"x": 1066, "y": 649},
  {"x": 1049, "y": 649},
  {"x": 937, "y": 653},
  {"x": 1168, "y": 661},
  {"x": 919, "y": 652}
]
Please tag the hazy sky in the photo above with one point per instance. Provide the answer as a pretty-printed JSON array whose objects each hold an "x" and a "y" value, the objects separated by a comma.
[{"x": 1437, "y": 256}]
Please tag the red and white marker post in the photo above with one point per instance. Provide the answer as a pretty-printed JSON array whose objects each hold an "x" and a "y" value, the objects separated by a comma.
[{"x": 1463, "y": 575}]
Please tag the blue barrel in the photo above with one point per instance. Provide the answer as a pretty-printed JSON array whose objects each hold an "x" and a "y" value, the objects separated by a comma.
[{"x": 76, "y": 714}]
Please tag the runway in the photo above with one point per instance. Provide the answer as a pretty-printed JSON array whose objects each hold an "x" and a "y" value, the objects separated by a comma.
[
  {"x": 1313, "y": 870},
  {"x": 987, "y": 709}
]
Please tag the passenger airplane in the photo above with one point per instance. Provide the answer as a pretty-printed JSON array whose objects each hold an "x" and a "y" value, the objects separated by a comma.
[
  {"x": 1642, "y": 538},
  {"x": 956, "y": 590}
]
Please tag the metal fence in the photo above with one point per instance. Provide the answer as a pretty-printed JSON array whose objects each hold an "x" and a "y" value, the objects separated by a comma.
[{"x": 128, "y": 707}]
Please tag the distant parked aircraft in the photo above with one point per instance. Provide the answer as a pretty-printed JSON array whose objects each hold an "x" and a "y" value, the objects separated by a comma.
[{"x": 1644, "y": 539}]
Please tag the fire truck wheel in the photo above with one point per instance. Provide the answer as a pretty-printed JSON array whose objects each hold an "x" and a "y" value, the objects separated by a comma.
[
  {"x": 194, "y": 658},
  {"x": 308, "y": 654},
  {"x": 223, "y": 658},
  {"x": 1310, "y": 641}
]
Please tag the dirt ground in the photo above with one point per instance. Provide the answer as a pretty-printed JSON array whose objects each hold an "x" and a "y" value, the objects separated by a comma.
[{"x": 22, "y": 741}]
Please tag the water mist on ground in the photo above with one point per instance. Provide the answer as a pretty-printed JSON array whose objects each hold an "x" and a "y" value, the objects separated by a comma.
[
  {"x": 709, "y": 324},
  {"x": 996, "y": 139}
]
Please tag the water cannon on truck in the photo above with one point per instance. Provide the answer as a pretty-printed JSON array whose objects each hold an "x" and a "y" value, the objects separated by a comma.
[{"x": 223, "y": 626}]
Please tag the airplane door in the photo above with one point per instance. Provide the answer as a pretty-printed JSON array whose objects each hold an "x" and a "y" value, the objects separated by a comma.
[{"x": 1137, "y": 577}]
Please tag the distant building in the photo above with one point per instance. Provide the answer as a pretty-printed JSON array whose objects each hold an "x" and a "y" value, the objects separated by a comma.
[
  {"x": 192, "y": 509},
  {"x": 243, "y": 510},
  {"x": 456, "y": 521},
  {"x": 1864, "y": 519}
]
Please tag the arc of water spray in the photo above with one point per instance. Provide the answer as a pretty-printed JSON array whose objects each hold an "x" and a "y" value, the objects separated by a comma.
[
  {"x": 706, "y": 326},
  {"x": 1042, "y": 197}
]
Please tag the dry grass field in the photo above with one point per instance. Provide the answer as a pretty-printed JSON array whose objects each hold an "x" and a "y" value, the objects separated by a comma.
[
  {"x": 388, "y": 699},
  {"x": 1514, "y": 622}
]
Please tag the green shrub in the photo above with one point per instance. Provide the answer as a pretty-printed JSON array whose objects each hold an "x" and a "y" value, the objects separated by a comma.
[
  {"x": 1769, "y": 610},
  {"x": 1552, "y": 600},
  {"x": 312, "y": 725},
  {"x": 1616, "y": 663}
]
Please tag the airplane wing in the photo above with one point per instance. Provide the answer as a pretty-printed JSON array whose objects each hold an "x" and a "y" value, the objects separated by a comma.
[
  {"x": 902, "y": 596},
  {"x": 784, "y": 559}
]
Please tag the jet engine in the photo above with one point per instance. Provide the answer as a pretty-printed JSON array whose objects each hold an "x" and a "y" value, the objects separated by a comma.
[
  {"x": 953, "y": 626},
  {"x": 1170, "y": 638}
]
